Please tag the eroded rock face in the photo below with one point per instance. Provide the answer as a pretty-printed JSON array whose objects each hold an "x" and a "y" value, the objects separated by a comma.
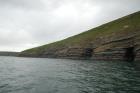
[
  {"x": 116, "y": 47},
  {"x": 119, "y": 47}
]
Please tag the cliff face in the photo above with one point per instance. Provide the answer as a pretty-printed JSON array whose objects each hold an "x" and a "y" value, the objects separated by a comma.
[
  {"x": 119, "y": 47},
  {"x": 117, "y": 40}
]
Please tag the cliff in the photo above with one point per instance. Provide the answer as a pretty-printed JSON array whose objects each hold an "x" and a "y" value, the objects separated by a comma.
[{"x": 116, "y": 40}]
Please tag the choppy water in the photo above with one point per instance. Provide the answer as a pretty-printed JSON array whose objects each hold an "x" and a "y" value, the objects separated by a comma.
[{"x": 42, "y": 75}]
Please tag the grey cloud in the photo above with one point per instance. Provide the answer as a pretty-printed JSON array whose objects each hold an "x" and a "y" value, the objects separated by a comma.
[{"x": 25, "y": 4}]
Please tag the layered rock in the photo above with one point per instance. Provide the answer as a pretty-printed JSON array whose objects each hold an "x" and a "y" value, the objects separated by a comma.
[{"x": 119, "y": 47}]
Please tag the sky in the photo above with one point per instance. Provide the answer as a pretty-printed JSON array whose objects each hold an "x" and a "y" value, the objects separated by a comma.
[{"x": 29, "y": 23}]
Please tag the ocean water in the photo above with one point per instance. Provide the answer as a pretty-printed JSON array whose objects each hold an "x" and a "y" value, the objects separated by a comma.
[{"x": 43, "y": 75}]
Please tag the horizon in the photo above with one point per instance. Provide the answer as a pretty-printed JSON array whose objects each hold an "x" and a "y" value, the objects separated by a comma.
[{"x": 31, "y": 24}]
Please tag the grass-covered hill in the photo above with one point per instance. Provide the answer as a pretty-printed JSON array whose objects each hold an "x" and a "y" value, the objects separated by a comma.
[{"x": 94, "y": 38}]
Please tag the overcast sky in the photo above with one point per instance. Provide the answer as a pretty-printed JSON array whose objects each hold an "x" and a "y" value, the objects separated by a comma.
[{"x": 29, "y": 23}]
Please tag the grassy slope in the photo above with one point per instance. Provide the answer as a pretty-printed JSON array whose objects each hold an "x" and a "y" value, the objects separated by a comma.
[{"x": 83, "y": 39}]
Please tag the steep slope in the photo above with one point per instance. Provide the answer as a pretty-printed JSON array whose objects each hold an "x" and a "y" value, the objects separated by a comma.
[{"x": 119, "y": 40}]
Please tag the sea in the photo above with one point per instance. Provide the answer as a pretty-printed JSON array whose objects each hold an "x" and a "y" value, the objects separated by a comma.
[{"x": 46, "y": 75}]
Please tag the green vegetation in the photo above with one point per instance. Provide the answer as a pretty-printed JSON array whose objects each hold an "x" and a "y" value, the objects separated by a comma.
[{"x": 121, "y": 26}]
